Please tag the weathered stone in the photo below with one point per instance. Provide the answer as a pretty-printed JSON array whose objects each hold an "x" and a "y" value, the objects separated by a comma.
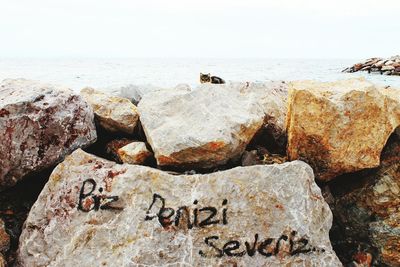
[
  {"x": 39, "y": 125},
  {"x": 113, "y": 146},
  {"x": 202, "y": 128},
  {"x": 134, "y": 153},
  {"x": 4, "y": 238},
  {"x": 114, "y": 114},
  {"x": 368, "y": 211},
  {"x": 340, "y": 127},
  {"x": 277, "y": 209}
]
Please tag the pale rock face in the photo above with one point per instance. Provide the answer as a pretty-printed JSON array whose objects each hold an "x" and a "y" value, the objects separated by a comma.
[
  {"x": 134, "y": 153},
  {"x": 114, "y": 114},
  {"x": 199, "y": 128},
  {"x": 97, "y": 212},
  {"x": 340, "y": 127},
  {"x": 272, "y": 95},
  {"x": 39, "y": 125}
]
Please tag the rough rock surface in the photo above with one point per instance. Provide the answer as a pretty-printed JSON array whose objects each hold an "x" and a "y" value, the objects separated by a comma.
[
  {"x": 199, "y": 128},
  {"x": 114, "y": 114},
  {"x": 4, "y": 238},
  {"x": 369, "y": 210},
  {"x": 2, "y": 261},
  {"x": 272, "y": 95},
  {"x": 94, "y": 211},
  {"x": 39, "y": 125},
  {"x": 134, "y": 153},
  {"x": 340, "y": 127}
]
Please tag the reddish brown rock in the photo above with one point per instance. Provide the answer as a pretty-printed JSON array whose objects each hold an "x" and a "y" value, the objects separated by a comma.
[
  {"x": 39, "y": 125},
  {"x": 366, "y": 210}
]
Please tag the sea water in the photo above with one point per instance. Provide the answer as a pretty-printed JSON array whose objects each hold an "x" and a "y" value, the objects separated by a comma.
[{"x": 115, "y": 73}]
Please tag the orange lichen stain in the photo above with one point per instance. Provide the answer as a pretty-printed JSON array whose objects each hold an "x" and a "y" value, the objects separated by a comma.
[
  {"x": 363, "y": 258},
  {"x": 87, "y": 203},
  {"x": 108, "y": 180},
  {"x": 164, "y": 160},
  {"x": 279, "y": 206},
  {"x": 216, "y": 145},
  {"x": 93, "y": 221}
]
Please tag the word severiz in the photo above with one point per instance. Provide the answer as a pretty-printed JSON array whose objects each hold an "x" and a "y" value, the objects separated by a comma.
[{"x": 206, "y": 216}]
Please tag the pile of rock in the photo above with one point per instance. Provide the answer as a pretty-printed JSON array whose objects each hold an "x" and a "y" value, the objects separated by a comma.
[
  {"x": 389, "y": 66},
  {"x": 177, "y": 209}
]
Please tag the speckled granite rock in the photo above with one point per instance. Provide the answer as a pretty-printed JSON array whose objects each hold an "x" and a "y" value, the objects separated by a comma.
[
  {"x": 134, "y": 153},
  {"x": 97, "y": 212},
  {"x": 39, "y": 125},
  {"x": 114, "y": 114},
  {"x": 199, "y": 128},
  {"x": 340, "y": 127},
  {"x": 369, "y": 212}
]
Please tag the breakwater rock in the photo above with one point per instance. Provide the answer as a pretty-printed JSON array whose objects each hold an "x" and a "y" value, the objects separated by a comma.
[
  {"x": 340, "y": 127},
  {"x": 388, "y": 66},
  {"x": 135, "y": 215},
  {"x": 39, "y": 125}
]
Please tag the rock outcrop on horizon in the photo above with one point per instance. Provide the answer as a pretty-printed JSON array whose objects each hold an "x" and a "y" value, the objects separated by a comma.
[
  {"x": 96, "y": 211},
  {"x": 388, "y": 66},
  {"x": 114, "y": 114},
  {"x": 200, "y": 128},
  {"x": 340, "y": 127},
  {"x": 39, "y": 125}
]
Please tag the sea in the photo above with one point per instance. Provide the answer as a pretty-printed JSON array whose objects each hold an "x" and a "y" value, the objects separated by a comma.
[{"x": 110, "y": 74}]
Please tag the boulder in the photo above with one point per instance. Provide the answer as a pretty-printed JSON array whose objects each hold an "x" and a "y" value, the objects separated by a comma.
[
  {"x": 199, "y": 128},
  {"x": 387, "y": 68},
  {"x": 39, "y": 125},
  {"x": 368, "y": 210},
  {"x": 134, "y": 153},
  {"x": 340, "y": 127},
  {"x": 113, "y": 146},
  {"x": 94, "y": 211},
  {"x": 114, "y": 114}
]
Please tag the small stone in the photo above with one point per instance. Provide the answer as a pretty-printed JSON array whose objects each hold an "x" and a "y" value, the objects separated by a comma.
[
  {"x": 113, "y": 146},
  {"x": 134, "y": 153},
  {"x": 132, "y": 215},
  {"x": 387, "y": 68},
  {"x": 39, "y": 125},
  {"x": 340, "y": 127},
  {"x": 200, "y": 128},
  {"x": 114, "y": 114}
]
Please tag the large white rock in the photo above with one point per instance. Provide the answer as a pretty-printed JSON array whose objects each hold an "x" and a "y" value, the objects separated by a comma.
[
  {"x": 199, "y": 128},
  {"x": 39, "y": 125},
  {"x": 115, "y": 114},
  {"x": 94, "y": 212}
]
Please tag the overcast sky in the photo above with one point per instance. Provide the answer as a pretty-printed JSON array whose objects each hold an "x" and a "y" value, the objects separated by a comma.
[{"x": 201, "y": 28}]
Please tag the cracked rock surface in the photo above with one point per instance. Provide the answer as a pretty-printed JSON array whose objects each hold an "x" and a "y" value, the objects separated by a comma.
[
  {"x": 200, "y": 128},
  {"x": 39, "y": 124},
  {"x": 96, "y": 211},
  {"x": 340, "y": 127}
]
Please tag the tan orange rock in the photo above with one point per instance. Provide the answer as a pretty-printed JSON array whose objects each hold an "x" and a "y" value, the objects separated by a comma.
[
  {"x": 134, "y": 153},
  {"x": 114, "y": 114},
  {"x": 340, "y": 127}
]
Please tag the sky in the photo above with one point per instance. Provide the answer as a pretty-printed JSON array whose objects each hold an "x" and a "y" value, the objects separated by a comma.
[{"x": 201, "y": 28}]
